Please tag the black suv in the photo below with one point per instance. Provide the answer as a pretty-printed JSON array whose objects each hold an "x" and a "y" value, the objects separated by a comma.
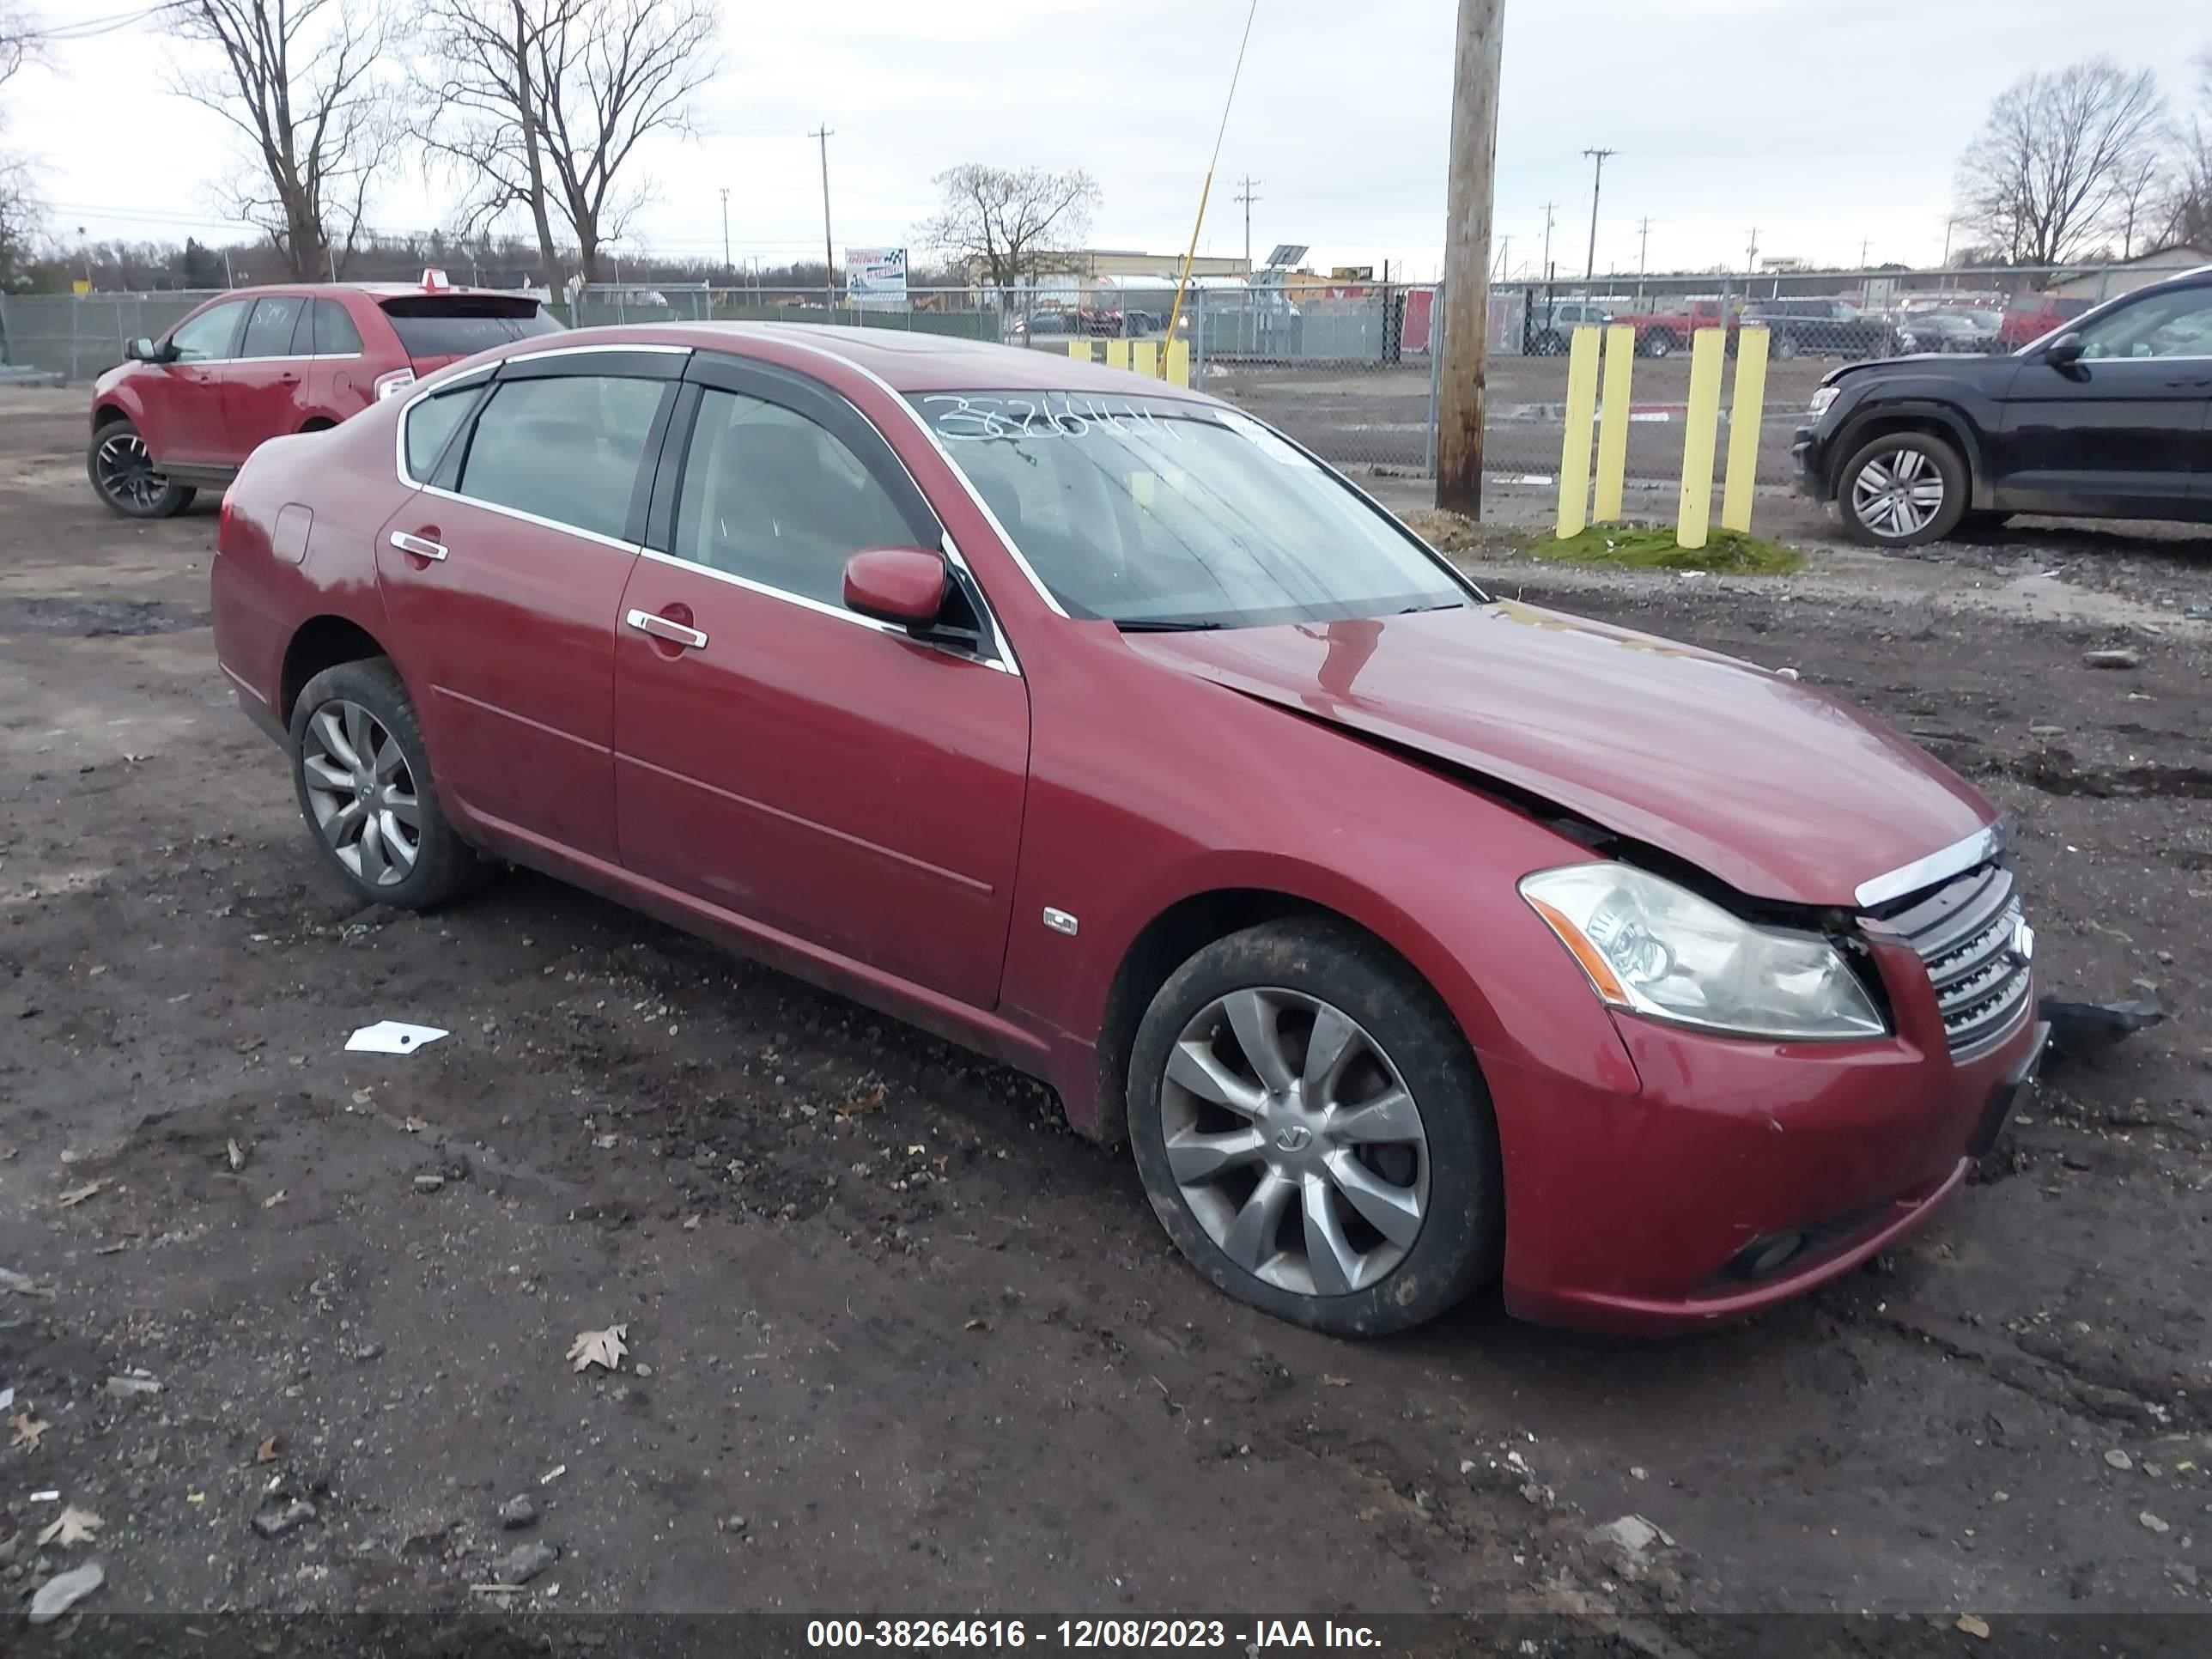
[{"x": 2105, "y": 417}]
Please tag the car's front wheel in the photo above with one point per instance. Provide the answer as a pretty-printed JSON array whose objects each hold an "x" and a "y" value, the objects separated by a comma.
[
  {"x": 363, "y": 779},
  {"x": 1902, "y": 489},
  {"x": 123, "y": 476},
  {"x": 1313, "y": 1133}
]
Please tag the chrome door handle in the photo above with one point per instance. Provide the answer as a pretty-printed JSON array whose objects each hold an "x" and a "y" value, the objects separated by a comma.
[
  {"x": 416, "y": 546},
  {"x": 661, "y": 628}
]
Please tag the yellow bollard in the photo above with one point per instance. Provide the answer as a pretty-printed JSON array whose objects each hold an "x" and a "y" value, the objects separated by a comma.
[
  {"x": 1117, "y": 353},
  {"x": 1079, "y": 350},
  {"x": 1145, "y": 358},
  {"x": 1575, "y": 448},
  {"x": 1744, "y": 412},
  {"x": 1179, "y": 362},
  {"x": 1693, "y": 517},
  {"x": 1612, "y": 422}
]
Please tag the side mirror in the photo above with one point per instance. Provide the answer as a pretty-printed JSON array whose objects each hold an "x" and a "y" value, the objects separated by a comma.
[
  {"x": 2066, "y": 349},
  {"x": 143, "y": 350},
  {"x": 905, "y": 586}
]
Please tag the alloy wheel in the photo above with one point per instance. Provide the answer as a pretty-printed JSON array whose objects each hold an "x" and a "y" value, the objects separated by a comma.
[
  {"x": 362, "y": 792},
  {"x": 1898, "y": 493},
  {"x": 127, "y": 471},
  {"x": 1295, "y": 1142}
]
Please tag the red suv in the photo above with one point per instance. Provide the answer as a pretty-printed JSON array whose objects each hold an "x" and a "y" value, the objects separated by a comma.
[
  {"x": 1410, "y": 938},
  {"x": 187, "y": 410}
]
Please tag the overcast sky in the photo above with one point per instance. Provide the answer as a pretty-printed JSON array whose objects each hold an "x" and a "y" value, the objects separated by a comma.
[{"x": 1820, "y": 124}]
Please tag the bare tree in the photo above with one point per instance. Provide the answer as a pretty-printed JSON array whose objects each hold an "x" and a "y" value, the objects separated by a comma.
[
  {"x": 541, "y": 105},
  {"x": 19, "y": 36},
  {"x": 2187, "y": 220},
  {"x": 19, "y": 211},
  {"x": 1008, "y": 222},
  {"x": 299, "y": 81},
  {"x": 2050, "y": 172}
]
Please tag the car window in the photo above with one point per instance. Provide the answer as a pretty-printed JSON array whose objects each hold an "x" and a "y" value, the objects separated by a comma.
[
  {"x": 565, "y": 448},
  {"x": 334, "y": 335},
  {"x": 772, "y": 496},
  {"x": 431, "y": 422},
  {"x": 269, "y": 330},
  {"x": 1156, "y": 512},
  {"x": 462, "y": 324},
  {"x": 210, "y": 337},
  {"x": 2177, "y": 324}
]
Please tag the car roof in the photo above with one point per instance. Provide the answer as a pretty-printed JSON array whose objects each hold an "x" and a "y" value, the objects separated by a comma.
[{"x": 906, "y": 362}]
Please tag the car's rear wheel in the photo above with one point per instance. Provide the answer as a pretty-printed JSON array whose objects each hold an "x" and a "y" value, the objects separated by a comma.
[
  {"x": 123, "y": 476},
  {"x": 364, "y": 779},
  {"x": 1902, "y": 489},
  {"x": 1782, "y": 347},
  {"x": 1660, "y": 342},
  {"x": 1313, "y": 1133},
  {"x": 1551, "y": 343}
]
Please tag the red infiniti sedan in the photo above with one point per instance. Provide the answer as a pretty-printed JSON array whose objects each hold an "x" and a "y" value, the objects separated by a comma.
[{"x": 1409, "y": 938}]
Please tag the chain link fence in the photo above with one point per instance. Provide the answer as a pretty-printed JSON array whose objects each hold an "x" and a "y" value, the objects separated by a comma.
[{"x": 1348, "y": 368}]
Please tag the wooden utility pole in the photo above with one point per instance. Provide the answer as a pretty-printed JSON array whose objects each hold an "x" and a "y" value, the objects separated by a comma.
[
  {"x": 1244, "y": 194},
  {"x": 1597, "y": 185},
  {"x": 823, "y": 135},
  {"x": 1459, "y": 388}
]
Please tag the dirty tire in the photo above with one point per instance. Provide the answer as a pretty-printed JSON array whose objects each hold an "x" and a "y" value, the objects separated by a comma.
[
  {"x": 1925, "y": 456},
  {"x": 122, "y": 475},
  {"x": 1461, "y": 1240},
  {"x": 444, "y": 866}
]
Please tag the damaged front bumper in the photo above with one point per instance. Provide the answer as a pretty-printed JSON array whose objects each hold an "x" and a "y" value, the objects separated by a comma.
[{"x": 1742, "y": 1174}]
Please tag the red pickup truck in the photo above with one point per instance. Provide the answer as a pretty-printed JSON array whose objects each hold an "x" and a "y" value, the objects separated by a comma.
[{"x": 1662, "y": 333}]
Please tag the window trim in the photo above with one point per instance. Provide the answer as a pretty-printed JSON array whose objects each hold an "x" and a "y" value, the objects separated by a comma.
[
  {"x": 465, "y": 385},
  {"x": 776, "y": 384}
]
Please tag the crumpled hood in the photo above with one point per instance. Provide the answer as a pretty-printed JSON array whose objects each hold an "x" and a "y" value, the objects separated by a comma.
[{"x": 1774, "y": 788}]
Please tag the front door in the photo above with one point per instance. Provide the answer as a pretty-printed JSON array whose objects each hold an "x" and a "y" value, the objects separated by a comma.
[
  {"x": 2121, "y": 429},
  {"x": 503, "y": 577},
  {"x": 264, "y": 386},
  {"x": 783, "y": 758},
  {"x": 181, "y": 400}
]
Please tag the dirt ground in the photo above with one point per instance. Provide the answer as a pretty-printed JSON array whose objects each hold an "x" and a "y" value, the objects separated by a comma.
[{"x": 898, "y": 1342}]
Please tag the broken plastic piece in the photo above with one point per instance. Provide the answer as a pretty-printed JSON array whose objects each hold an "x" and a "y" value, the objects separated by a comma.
[
  {"x": 2082, "y": 1031},
  {"x": 392, "y": 1036}
]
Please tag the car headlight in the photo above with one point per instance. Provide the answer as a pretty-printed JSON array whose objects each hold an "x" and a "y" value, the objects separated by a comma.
[
  {"x": 1655, "y": 948},
  {"x": 1823, "y": 396}
]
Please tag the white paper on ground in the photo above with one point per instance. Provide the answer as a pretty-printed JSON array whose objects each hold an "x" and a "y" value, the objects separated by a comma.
[{"x": 392, "y": 1036}]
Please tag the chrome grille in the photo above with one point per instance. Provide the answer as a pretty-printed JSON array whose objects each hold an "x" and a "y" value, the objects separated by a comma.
[{"x": 1967, "y": 933}]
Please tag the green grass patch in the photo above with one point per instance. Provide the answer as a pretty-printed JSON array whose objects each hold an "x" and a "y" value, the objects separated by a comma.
[{"x": 1651, "y": 547}]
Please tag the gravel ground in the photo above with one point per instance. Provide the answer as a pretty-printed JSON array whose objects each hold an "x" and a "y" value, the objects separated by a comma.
[{"x": 896, "y": 1342}]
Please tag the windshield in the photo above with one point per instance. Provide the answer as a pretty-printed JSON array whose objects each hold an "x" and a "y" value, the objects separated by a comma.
[
  {"x": 1160, "y": 512},
  {"x": 462, "y": 324}
]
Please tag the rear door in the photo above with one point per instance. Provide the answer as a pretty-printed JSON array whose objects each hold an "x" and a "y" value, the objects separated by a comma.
[
  {"x": 781, "y": 757},
  {"x": 503, "y": 577},
  {"x": 264, "y": 387},
  {"x": 2121, "y": 430},
  {"x": 182, "y": 415}
]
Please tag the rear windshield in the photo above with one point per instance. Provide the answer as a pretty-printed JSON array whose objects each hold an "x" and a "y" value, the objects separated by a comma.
[{"x": 461, "y": 325}]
